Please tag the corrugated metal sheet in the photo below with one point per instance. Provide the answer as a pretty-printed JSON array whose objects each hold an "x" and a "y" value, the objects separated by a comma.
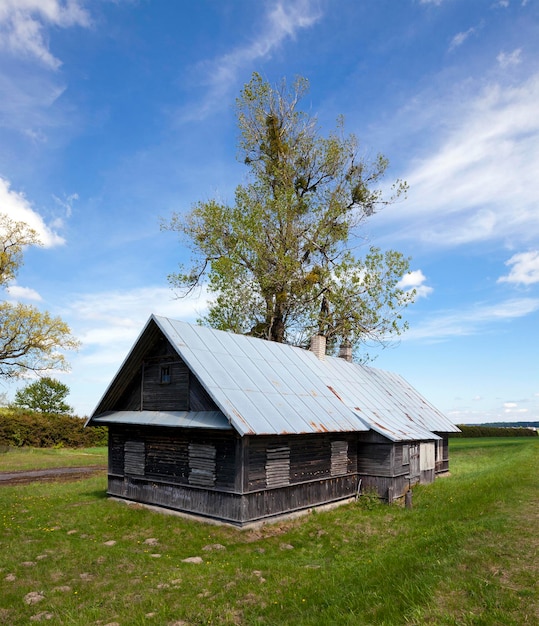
[
  {"x": 184, "y": 419},
  {"x": 262, "y": 387},
  {"x": 265, "y": 388}
]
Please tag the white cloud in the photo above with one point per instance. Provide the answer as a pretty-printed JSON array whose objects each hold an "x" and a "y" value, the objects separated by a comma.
[
  {"x": 510, "y": 59},
  {"x": 460, "y": 38},
  {"x": 524, "y": 270},
  {"x": 514, "y": 411},
  {"x": 415, "y": 280},
  {"x": 107, "y": 324},
  {"x": 284, "y": 20},
  {"x": 23, "y": 22},
  {"x": 111, "y": 320},
  {"x": 67, "y": 203},
  {"x": 442, "y": 325},
  {"x": 23, "y": 293},
  {"x": 16, "y": 206},
  {"x": 479, "y": 180}
]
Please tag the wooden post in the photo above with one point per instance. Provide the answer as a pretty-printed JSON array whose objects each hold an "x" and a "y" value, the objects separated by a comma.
[{"x": 408, "y": 499}]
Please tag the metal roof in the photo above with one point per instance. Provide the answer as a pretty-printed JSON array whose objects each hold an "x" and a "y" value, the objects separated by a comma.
[
  {"x": 184, "y": 419},
  {"x": 384, "y": 401},
  {"x": 264, "y": 388}
]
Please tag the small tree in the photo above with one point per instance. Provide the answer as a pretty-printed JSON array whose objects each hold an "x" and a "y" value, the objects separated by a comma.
[
  {"x": 46, "y": 395},
  {"x": 30, "y": 339}
]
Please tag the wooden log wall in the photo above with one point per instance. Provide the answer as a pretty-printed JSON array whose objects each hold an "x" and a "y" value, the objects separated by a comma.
[
  {"x": 179, "y": 456},
  {"x": 275, "y": 461}
]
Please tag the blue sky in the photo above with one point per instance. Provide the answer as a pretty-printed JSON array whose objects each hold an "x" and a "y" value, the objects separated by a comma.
[{"x": 115, "y": 113}]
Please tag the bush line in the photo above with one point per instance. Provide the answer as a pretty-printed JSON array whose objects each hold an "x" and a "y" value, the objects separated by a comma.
[{"x": 21, "y": 427}]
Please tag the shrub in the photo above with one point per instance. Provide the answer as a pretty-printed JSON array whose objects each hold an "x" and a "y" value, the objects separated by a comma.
[
  {"x": 20, "y": 427},
  {"x": 493, "y": 431}
]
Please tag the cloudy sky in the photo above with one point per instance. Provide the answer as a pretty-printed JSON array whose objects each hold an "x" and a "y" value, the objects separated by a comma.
[{"x": 115, "y": 113}]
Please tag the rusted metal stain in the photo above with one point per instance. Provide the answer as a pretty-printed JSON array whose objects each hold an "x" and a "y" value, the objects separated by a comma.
[
  {"x": 319, "y": 428},
  {"x": 333, "y": 391},
  {"x": 249, "y": 430},
  {"x": 382, "y": 427}
]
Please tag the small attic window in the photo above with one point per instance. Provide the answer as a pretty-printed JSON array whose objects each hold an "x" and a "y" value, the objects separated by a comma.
[{"x": 164, "y": 375}]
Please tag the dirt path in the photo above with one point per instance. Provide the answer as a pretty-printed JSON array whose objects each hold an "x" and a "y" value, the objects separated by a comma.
[{"x": 57, "y": 473}]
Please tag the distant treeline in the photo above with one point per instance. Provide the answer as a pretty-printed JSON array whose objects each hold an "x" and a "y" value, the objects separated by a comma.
[
  {"x": 510, "y": 424},
  {"x": 21, "y": 427},
  {"x": 493, "y": 431}
]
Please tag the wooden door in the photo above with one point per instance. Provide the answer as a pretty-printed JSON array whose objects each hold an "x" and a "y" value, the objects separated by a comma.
[{"x": 414, "y": 463}]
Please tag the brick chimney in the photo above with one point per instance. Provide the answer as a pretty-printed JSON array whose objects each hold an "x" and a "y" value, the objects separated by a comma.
[
  {"x": 318, "y": 346},
  {"x": 345, "y": 351}
]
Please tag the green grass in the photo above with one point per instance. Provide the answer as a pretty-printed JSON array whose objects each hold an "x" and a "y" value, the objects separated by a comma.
[
  {"x": 16, "y": 459},
  {"x": 466, "y": 554}
]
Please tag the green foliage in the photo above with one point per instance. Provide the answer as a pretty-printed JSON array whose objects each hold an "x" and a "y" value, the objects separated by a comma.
[
  {"x": 369, "y": 499},
  {"x": 19, "y": 427},
  {"x": 30, "y": 340},
  {"x": 46, "y": 395},
  {"x": 280, "y": 261},
  {"x": 493, "y": 431}
]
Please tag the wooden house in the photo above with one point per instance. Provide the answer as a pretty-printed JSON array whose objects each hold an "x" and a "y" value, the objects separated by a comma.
[{"x": 240, "y": 429}]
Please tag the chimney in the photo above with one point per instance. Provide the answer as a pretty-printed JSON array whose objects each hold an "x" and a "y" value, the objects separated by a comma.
[
  {"x": 318, "y": 346},
  {"x": 345, "y": 351}
]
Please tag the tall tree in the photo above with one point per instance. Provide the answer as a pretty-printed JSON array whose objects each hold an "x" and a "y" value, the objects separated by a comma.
[
  {"x": 280, "y": 261},
  {"x": 30, "y": 340},
  {"x": 46, "y": 395}
]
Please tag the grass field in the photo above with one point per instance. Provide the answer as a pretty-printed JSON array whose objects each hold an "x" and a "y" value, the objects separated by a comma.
[
  {"x": 17, "y": 459},
  {"x": 465, "y": 554}
]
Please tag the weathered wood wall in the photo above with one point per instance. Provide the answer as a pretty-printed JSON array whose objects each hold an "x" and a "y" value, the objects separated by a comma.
[
  {"x": 192, "y": 471},
  {"x": 179, "y": 456},
  {"x": 299, "y": 458}
]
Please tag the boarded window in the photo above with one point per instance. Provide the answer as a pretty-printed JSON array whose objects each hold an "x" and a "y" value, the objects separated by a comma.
[
  {"x": 339, "y": 458},
  {"x": 202, "y": 465},
  {"x": 426, "y": 461},
  {"x": 405, "y": 454},
  {"x": 277, "y": 466},
  {"x": 134, "y": 457}
]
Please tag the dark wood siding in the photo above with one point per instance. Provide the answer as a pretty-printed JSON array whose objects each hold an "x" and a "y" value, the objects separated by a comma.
[
  {"x": 375, "y": 459},
  {"x": 135, "y": 457},
  {"x": 199, "y": 400},
  {"x": 172, "y": 395},
  {"x": 311, "y": 457},
  {"x": 131, "y": 397},
  {"x": 116, "y": 452},
  {"x": 168, "y": 457}
]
